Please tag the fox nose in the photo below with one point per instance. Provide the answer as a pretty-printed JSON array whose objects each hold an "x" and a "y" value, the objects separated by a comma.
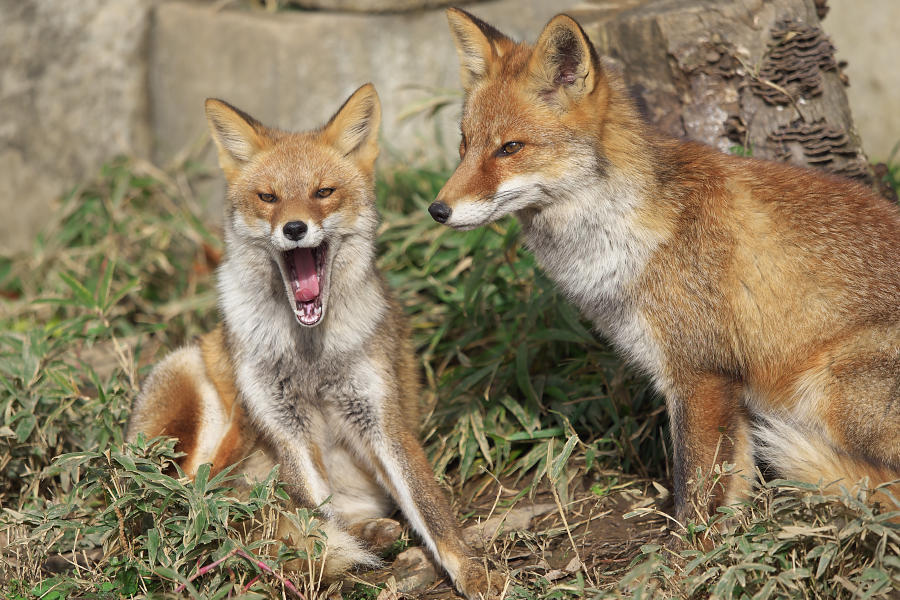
[
  {"x": 440, "y": 212},
  {"x": 294, "y": 230}
]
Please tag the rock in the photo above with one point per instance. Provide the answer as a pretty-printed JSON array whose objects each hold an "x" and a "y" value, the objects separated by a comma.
[
  {"x": 72, "y": 95},
  {"x": 85, "y": 81},
  {"x": 478, "y": 535},
  {"x": 414, "y": 571},
  {"x": 867, "y": 39},
  {"x": 293, "y": 69}
]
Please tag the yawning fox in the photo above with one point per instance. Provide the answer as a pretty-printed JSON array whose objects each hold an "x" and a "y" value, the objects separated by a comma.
[
  {"x": 312, "y": 366},
  {"x": 762, "y": 299}
]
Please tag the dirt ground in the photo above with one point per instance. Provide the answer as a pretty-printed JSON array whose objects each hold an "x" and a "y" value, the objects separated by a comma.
[{"x": 530, "y": 537}]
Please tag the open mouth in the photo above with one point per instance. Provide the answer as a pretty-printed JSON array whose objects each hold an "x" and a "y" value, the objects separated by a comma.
[{"x": 306, "y": 276}]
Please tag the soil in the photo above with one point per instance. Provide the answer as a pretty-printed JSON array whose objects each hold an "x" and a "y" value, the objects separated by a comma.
[{"x": 608, "y": 527}]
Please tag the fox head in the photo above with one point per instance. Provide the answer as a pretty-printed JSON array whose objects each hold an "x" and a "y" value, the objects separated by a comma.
[
  {"x": 530, "y": 120},
  {"x": 300, "y": 199}
]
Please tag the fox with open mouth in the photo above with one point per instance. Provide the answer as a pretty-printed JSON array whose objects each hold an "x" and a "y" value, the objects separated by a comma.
[{"x": 312, "y": 367}]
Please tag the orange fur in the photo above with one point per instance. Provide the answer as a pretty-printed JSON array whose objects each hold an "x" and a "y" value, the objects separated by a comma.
[{"x": 752, "y": 292}]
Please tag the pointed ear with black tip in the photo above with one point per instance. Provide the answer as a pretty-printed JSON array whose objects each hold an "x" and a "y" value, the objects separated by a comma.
[
  {"x": 564, "y": 65},
  {"x": 477, "y": 43},
  {"x": 353, "y": 130},
  {"x": 237, "y": 135}
]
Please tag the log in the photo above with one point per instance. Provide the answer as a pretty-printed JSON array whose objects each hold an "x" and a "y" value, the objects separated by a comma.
[{"x": 745, "y": 76}]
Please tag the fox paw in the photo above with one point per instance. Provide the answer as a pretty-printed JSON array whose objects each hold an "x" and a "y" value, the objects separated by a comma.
[
  {"x": 478, "y": 583},
  {"x": 378, "y": 534}
]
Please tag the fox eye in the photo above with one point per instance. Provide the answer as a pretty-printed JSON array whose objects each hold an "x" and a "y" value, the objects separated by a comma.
[
  {"x": 510, "y": 148},
  {"x": 324, "y": 192},
  {"x": 270, "y": 198},
  {"x": 462, "y": 146}
]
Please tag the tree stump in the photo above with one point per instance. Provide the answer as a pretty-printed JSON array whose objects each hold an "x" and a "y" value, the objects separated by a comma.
[{"x": 747, "y": 76}]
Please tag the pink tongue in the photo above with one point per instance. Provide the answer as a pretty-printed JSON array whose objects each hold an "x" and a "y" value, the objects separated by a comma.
[{"x": 306, "y": 286}]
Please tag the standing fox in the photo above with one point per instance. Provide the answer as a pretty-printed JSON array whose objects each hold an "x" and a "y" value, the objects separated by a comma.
[
  {"x": 311, "y": 367},
  {"x": 762, "y": 299}
]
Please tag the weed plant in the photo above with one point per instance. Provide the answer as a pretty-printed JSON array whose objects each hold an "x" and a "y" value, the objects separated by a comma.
[{"x": 518, "y": 391}]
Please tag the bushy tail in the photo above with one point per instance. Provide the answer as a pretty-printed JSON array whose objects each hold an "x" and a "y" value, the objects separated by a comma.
[
  {"x": 336, "y": 549},
  {"x": 801, "y": 453},
  {"x": 329, "y": 541},
  {"x": 344, "y": 551}
]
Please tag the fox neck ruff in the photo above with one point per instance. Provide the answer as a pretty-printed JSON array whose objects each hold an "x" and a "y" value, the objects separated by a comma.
[
  {"x": 590, "y": 241},
  {"x": 259, "y": 318}
]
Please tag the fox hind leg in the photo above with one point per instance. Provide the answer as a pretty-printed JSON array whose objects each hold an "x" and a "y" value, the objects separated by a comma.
[
  {"x": 863, "y": 408},
  {"x": 179, "y": 400},
  {"x": 845, "y": 422}
]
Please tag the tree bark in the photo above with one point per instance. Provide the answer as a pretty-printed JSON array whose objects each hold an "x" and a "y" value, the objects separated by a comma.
[{"x": 746, "y": 76}]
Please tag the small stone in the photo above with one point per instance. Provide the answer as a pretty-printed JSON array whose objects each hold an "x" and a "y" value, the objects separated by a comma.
[{"x": 414, "y": 571}]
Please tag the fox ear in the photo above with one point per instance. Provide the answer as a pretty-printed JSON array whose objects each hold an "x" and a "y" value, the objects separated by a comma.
[
  {"x": 353, "y": 130},
  {"x": 477, "y": 44},
  {"x": 237, "y": 135},
  {"x": 564, "y": 63}
]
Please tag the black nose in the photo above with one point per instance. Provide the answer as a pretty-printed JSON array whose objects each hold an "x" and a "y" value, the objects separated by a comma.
[
  {"x": 440, "y": 212},
  {"x": 294, "y": 230}
]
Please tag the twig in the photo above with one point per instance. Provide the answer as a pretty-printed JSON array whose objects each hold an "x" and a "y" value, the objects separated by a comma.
[
  {"x": 562, "y": 514},
  {"x": 206, "y": 569},
  {"x": 269, "y": 570},
  {"x": 122, "y": 538},
  {"x": 252, "y": 581},
  {"x": 249, "y": 557},
  {"x": 497, "y": 498}
]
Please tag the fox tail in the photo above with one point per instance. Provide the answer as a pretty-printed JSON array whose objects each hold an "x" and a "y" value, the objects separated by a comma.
[
  {"x": 801, "y": 453},
  {"x": 337, "y": 549}
]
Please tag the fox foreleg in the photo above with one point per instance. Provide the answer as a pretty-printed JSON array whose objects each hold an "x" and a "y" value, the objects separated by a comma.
[
  {"x": 286, "y": 427},
  {"x": 709, "y": 427},
  {"x": 400, "y": 462}
]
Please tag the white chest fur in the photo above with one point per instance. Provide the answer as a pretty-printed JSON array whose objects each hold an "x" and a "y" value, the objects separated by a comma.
[
  {"x": 589, "y": 242},
  {"x": 269, "y": 346}
]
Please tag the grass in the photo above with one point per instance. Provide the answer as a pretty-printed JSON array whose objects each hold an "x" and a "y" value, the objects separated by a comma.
[{"x": 524, "y": 405}]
